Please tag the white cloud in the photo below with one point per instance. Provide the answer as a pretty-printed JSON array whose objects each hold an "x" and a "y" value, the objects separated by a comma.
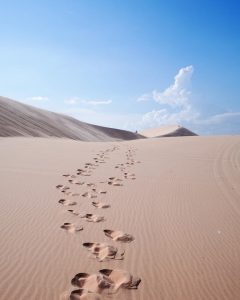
[
  {"x": 72, "y": 101},
  {"x": 175, "y": 100},
  {"x": 177, "y": 94},
  {"x": 163, "y": 117},
  {"x": 145, "y": 97},
  {"x": 37, "y": 99},
  {"x": 76, "y": 100},
  {"x": 99, "y": 102}
]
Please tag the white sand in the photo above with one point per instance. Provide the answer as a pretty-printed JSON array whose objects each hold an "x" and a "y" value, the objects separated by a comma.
[{"x": 183, "y": 211}]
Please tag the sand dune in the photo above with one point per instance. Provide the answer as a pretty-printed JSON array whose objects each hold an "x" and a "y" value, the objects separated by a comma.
[
  {"x": 18, "y": 119},
  {"x": 181, "y": 214},
  {"x": 167, "y": 131}
]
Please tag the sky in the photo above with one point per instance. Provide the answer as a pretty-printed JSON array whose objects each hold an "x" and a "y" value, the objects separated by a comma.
[{"x": 127, "y": 64}]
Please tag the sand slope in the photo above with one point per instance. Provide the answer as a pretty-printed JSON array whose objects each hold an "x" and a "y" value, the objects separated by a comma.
[
  {"x": 18, "y": 119},
  {"x": 179, "y": 200},
  {"x": 168, "y": 131}
]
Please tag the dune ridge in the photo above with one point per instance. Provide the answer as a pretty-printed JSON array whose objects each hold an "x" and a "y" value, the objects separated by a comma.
[
  {"x": 18, "y": 119},
  {"x": 167, "y": 131}
]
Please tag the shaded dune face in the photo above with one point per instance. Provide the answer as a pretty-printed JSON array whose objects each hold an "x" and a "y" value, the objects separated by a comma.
[
  {"x": 24, "y": 120},
  {"x": 118, "y": 235}
]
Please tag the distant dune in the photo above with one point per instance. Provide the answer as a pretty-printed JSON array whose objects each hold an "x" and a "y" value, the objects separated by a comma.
[
  {"x": 168, "y": 131},
  {"x": 18, "y": 119}
]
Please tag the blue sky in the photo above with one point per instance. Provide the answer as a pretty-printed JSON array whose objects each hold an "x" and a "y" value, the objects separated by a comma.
[{"x": 127, "y": 64}]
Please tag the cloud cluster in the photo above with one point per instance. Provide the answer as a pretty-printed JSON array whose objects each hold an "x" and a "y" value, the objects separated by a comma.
[
  {"x": 173, "y": 106},
  {"x": 37, "y": 99},
  {"x": 164, "y": 117},
  {"x": 76, "y": 100},
  {"x": 175, "y": 99},
  {"x": 177, "y": 94}
]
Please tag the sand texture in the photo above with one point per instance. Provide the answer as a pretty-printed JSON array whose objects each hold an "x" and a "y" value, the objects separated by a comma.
[
  {"x": 18, "y": 119},
  {"x": 152, "y": 219},
  {"x": 167, "y": 131}
]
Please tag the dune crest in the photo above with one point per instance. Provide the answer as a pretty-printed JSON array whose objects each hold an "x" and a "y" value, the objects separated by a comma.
[
  {"x": 167, "y": 131},
  {"x": 18, "y": 119}
]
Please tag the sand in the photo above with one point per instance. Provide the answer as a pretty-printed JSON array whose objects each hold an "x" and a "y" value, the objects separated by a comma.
[
  {"x": 18, "y": 119},
  {"x": 167, "y": 131},
  {"x": 171, "y": 227}
]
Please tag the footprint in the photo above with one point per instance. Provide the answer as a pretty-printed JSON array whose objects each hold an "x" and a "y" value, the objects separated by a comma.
[
  {"x": 94, "y": 283},
  {"x": 86, "y": 174},
  {"x": 101, "y": 205},
  {"x": 90, "y": 184},
  {"x": 115, "y": 183},
  {"x": 66, "y": 202},
  {"x": 93, "y": 218},
  {"x": 74, "y": 194},
  {"x": 118, "y": 235},
  {"x": 66, "y": 193},
  {"x": 71, "y": 227},
  {"x": 129, "y": 176},
  {"x": 62, "y": 187},
  {"x": 82, "y": 294},
  {"x": 59, "y": 186},
  {"x": 103, "y": 251},
  {"x": 102, "y": 192},
  {"x": 106, "y": 279},
  {"x": 121, "y": 278},
  {"x": 83, "y": 172},
  {"x": 75, "y": 182},
  {"x": 89, "y": 195},
  {"x": 74, "y": 212}
]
